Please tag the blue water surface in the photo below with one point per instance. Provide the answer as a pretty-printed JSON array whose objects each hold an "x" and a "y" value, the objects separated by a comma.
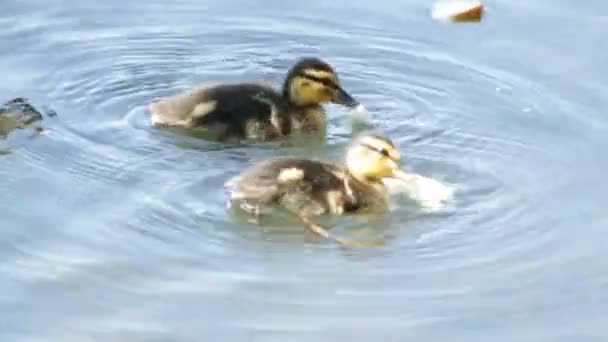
[{"x": 113, "y": 230}]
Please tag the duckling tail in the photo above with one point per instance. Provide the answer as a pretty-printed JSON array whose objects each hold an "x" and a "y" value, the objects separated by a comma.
[{"x": 318, "y": 229}]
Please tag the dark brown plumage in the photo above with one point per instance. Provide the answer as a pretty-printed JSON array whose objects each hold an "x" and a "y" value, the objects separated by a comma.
[
  {"x": 255, "y": 111},
  {"x": 305, "y": 186},
  {"x": 309, "y": 187}
]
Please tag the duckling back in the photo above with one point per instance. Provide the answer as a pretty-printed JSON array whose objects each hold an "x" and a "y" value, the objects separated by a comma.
[
  {"x": 242, "y": 111},
  {"x": 307, "y": 187}
]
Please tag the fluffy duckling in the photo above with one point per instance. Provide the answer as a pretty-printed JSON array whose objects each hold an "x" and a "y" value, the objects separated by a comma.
[
  {"x": 309, "y": 188},
  {"x": 253, "y": 111},
  {"x": 18, "y": 114}
]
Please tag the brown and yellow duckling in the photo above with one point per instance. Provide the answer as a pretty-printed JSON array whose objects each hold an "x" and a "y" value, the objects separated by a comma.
[
  {"x": 256, "y": 111},
  {"x": 308, "y": 188},
  {"x": 18, "y": 114}
]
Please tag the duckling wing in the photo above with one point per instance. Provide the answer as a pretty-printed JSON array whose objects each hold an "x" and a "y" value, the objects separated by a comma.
[
  {"x": 256, "y": 184},
  {"x": 297, "y": 184},
  {"x": 177, "y": 110},
  {"x": 261, "y": 182}
]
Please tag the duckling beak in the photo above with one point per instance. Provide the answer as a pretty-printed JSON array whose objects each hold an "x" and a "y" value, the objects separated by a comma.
[{"x": 345, "y": 99}]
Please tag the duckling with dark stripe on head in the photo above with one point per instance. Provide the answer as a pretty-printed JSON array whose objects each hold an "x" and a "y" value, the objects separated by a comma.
[
  {"x": 307, "y": 187},
  {"x": 253, "y": 111}
]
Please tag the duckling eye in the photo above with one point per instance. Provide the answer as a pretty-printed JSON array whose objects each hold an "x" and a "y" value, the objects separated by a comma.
[
  {"x": 324, "y": 81},
  {"x": 382, "y": 150},
  {"x": 306, "y": 84}
]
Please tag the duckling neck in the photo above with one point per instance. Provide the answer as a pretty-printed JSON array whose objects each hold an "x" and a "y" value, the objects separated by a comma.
[
  {"x": 294, "y": 107},
  {"x": 286, "y": 93},
  {"x": 310, "y": 118},
  {"x": 370, "y": 183},
  {"x": 370, "y": 193}
]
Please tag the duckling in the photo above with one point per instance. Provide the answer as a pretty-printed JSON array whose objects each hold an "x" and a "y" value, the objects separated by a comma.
[
  {"x": 255, "y": 111},
  {"x": 18, "y": 114},
  {"x": 308, "y": 188}
]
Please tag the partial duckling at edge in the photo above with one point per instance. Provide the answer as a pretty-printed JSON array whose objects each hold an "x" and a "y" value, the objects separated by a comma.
[
  {"x": 18, "y": 113},
  {"x": 238, "y": 111},
  {"x": 308, "y": 188}
]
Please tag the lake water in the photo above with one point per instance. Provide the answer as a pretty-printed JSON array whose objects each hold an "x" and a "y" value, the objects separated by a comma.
[{"x": 112, "y": 230}]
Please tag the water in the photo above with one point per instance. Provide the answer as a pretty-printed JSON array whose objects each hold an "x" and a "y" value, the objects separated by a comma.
[{"x": 114, "y": 230}]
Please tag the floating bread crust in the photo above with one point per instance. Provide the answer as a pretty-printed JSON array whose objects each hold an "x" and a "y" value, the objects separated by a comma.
[
  {"x": 472, "y": 14},
  {"x": 459, "y": 11}
]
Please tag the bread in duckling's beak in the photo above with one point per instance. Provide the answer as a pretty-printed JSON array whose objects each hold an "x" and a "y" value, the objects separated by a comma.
[{"x": 431, "y": 194}]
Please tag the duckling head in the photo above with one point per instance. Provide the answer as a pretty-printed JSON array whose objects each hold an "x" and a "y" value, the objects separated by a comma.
[
  {"x": 312, "y": 81},
  {"x": 373, "y": 157}
]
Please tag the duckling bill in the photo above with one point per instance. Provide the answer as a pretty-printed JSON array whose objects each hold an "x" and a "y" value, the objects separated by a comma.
[
  {"x": 256, "y": 111},
  {"x": 308, "y": 188}
]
